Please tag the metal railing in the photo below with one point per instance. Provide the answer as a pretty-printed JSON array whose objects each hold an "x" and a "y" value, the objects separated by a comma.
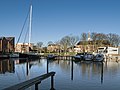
[{"x": 35, "y": 81}]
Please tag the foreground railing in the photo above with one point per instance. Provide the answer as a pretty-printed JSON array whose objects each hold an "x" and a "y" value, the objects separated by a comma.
[{"x": 34, "y": 81}]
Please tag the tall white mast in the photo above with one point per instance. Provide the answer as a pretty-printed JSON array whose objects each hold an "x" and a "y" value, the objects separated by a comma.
[{"x": 30, "y": 25}]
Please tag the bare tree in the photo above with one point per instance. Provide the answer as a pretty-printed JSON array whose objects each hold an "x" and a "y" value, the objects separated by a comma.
[
  {"x": 39, "y": 45},
  {"x": 93, "y": 36},
  {"x": 65, "y": 43},
  {"x": 84, "y": 36},
  {"x": 110, "y": 38},
  {"x": 84, "y": 40},
  {"x": 50, "y": 42},
  {"x": 100, "y": 38},
  {"x": 114, "y": 39},
  {"x": 73, "y": 41}
]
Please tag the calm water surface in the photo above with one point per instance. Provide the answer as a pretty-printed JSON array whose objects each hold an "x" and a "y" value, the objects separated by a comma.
[{"x": 70, "y": 75}]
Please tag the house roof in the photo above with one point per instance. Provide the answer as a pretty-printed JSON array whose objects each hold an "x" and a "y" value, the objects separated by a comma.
[
  {"x": 7, "y": 38},
  {"x": 105, "y": 42}
]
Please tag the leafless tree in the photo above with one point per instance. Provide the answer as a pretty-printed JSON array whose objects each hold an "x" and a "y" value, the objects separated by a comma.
[
  {"x": 50, "y": 42},
  {"x": 39, "y": 45},
  {"x": 93, "y": 36},
  {"x": 84, "y": 40},
  {"x": 65, "y": 43},
  {"x": 114, "y": 39},
  {"x": 84, "y": 36},
  {"x": 73, "y": 41},
  {"x": 98, "y": 38}
]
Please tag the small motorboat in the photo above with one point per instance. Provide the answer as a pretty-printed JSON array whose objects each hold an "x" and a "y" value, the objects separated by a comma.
[
  {"x": 51, "y": 57},
  {"x": 99, "y": 57},
  {"x": 88, "y": 57},
  {"x": 78, "y": 56}
]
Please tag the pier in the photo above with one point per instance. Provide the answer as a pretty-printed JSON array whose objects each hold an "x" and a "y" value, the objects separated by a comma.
[
  {"x": 35, "y": 81},
  {"x": 63, "y": 57}
]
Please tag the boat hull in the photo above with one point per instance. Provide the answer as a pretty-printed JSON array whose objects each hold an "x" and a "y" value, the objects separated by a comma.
[{"x": 24, "y": 55}]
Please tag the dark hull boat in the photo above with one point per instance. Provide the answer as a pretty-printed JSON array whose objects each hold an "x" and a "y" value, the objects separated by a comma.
[
  {"x": 27, "y": 55},
  {"x": 51, "y": 57},
  {"x": 78, "y": 56},
  {"x": 99, "y": 58},
  {"x": 23, "y": 55},
  {"x": 88, "y": 57}
]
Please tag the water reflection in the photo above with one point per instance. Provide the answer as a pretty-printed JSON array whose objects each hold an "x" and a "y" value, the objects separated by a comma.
[
  {"x": 29, "y": 63},
  {"x": 7, "y": 66},
  {"x": 70, "y": 75},
  {"x": 88, "y": 69}
]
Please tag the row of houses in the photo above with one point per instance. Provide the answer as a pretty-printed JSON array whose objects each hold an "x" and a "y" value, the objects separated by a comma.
[
  {"x": 7, "y": 44},
  {"x": 81, "y": 46}
]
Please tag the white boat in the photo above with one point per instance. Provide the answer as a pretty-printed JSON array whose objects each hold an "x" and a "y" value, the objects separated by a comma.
[{"x": 99, "y": 57}]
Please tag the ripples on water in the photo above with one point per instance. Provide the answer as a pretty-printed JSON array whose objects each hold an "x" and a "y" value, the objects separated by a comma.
[{"x": 70, "y": 75}]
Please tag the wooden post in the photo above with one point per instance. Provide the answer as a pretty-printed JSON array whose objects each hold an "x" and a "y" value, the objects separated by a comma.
[
  {"x": 36, "y": 86},
  {"x": 52, "y": 82},
  {"x": 71, "y": 69},
  {"x": 102, "y": 73},
  {"x": 47, "y": 66}
]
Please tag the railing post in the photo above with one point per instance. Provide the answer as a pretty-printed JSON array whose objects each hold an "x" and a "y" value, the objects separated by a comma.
[
  {"x": 52, "y": 82},
  {"x": 36, "y": 86}
]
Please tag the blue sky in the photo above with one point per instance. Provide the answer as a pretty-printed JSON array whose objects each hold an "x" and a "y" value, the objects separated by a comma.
[{"x": 54, "y": 19}]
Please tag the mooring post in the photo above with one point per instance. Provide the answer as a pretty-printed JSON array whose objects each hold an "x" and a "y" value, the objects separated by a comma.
[
  {"x": 36, "y": 86},
  {"x": 52, "y": 82}
]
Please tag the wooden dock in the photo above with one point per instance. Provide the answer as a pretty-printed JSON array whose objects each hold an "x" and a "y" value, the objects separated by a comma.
[
  {"x": 63, "y": 57},
  {"x": 35, "y": 81}
]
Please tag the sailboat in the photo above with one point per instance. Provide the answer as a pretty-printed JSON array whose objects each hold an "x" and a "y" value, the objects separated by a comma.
[{"x": 29, "y": 54}]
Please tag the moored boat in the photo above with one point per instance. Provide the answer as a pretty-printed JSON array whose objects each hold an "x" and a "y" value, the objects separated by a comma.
[
  {"x": 88, "y": 57},
  {"x": 78, "y": 56},
  {"x": 99, "y": 57},
  {"x": 51, "y": 57},
  {"x": 14, "y": 55},
  {"x": 29, "y": 55}
]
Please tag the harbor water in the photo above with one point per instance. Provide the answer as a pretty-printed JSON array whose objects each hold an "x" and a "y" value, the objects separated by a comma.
[{"x": 70, "y": 75}]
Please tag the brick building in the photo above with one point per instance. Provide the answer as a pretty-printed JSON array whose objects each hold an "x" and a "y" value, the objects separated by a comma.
[
  {"x": 53, "y": 47},
  {"x": 7, "y": 44},
  {"x": 23, "y": 47}
]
